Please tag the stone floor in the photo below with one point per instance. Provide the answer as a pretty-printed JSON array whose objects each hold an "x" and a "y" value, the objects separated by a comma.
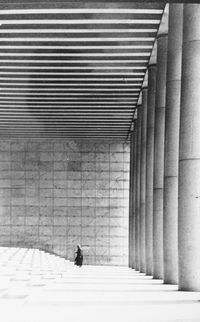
[{"x": 39, "y": 287}]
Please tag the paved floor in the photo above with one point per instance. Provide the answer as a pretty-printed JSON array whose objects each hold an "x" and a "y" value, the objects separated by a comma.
[{"x": 43, "y": 287}]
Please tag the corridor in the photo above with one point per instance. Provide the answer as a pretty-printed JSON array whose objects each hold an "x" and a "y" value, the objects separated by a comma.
[{"x": 99, "y": 147}]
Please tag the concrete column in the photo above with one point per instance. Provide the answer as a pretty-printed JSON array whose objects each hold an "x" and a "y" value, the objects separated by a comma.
[
  {"x": 159, "y": 157},
  {"x": 131, "y": 196},
  {"x": 137, "y": 223},
  {"x": 149, "y": 167},
  {"x": 143, "y": 180},
  {"x": 134, "y": 223},
  {"x": 189, "y": 156},
  {"x": 172, "y": 122}
]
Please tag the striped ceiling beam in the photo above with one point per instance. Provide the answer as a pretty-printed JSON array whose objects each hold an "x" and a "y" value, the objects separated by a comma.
[{"x": 73, "y": 69}]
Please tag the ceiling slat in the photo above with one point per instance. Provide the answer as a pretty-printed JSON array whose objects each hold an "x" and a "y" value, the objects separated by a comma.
[{"x": 63, "y": 4}]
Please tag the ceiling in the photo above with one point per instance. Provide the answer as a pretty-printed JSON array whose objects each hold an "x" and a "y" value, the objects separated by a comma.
[{"x": 73, "y": 69}]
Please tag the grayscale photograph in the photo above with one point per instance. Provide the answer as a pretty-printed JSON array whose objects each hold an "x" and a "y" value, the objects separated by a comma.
[{"x": 99, "y": 161}]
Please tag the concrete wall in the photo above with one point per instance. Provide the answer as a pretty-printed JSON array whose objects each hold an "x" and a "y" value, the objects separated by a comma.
[{"x": 55, "y": 194}]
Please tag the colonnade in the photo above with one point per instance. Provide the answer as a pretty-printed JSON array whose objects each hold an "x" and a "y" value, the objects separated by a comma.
[{"x": 165, "y": 158}]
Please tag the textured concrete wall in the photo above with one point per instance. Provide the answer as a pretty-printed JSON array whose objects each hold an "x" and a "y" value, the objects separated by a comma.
[{"x": 55, "y": 194}]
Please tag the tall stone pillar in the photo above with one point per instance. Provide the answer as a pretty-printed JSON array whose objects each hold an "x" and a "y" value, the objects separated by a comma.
[
  {"x": 172, "y": 122},
  {"x": 143, "y": 180},
  {"x": 189, "y": 154},
  {"x": 131, "y": 197},
  {"x": 134, "y": 222},
  {"x": 149, "y": 167},
  {"x": 138, "y": 160},
  {"x": 159, "y": 157}
]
